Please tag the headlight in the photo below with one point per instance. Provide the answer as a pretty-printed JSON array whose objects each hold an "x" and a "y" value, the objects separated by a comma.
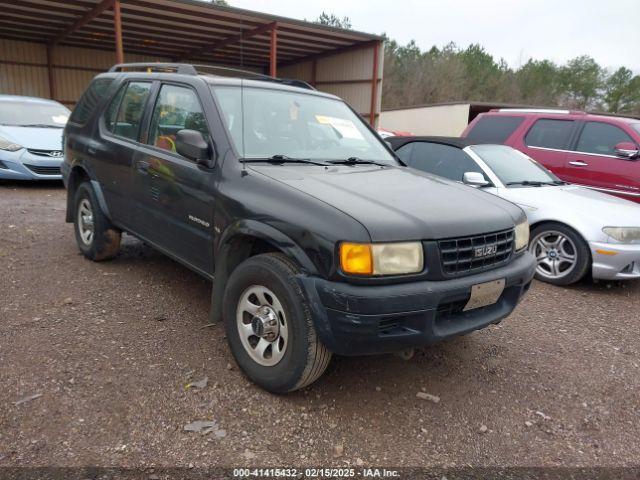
[
  {"x": 7, "y": 145},
  {"x": 623, "y": 234},
  {"x": 522, "y": 235},
  {"x": 381, "y": 258}
]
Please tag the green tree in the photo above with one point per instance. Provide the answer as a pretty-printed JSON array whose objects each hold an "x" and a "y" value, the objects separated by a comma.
[
  {"x": 582, "y": 80},
  {"x": 622, "y": 91},
  {"x": 539, "y": 83},
  {"x": 333, "y": 21}
]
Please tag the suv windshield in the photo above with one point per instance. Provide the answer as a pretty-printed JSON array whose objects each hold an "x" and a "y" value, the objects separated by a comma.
[
  {"x": 31, "y": 114},
  {"x": 513, "y": 167},
  {"x": 266, "y": 123}
]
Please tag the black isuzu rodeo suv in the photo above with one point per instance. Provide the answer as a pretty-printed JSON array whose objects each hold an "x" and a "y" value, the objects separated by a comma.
[{"x": 318, "y": 240}]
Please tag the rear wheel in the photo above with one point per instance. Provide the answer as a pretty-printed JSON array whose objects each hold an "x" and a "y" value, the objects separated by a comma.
[
  {"x": 96, "y": 237},
  {"x": 563, "y": 256},
  {"x": 269, "y": 325}
]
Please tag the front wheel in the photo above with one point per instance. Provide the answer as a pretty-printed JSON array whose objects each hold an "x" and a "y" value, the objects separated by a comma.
[
  {"x": 269, "y": 325},
  {"x": 563, "y": 256}
]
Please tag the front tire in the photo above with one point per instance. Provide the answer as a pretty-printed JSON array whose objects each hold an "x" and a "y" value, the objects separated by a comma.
[
  {"x": 562, "y": 254},
  {"x": 96, "y": 237},
  {"x": 269, "y": 325}
]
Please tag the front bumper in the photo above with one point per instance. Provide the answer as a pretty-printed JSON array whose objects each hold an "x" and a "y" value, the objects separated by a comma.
[
  {"x": 361, "y": 320},
  {"x": 24, "y": 165},
  {"x": 615, "y": 261}
]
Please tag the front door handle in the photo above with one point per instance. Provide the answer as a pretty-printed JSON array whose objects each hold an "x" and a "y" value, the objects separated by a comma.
[{"x": 579, "y": 164}]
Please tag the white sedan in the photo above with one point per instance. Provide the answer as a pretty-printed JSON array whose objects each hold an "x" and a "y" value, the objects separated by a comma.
[{"x": 574, "y": 230}]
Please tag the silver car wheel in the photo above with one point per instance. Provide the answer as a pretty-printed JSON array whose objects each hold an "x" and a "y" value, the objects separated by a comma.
[
  {"x": 555, "y": 253},
  {"x": 85, "y": 221},
  {"x": 262, "y": 325}
]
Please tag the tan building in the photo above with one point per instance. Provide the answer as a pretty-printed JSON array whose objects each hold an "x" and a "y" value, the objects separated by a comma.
[
  {"x": 53, "y": 48},
  {"x": 445, "y": 119}
]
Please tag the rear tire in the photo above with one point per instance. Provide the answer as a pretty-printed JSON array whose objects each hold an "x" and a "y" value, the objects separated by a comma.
[
  {"x": 269, "y": 325},
  {"x": 96, "y": 237},
  {"x": 562, "y": 254}
]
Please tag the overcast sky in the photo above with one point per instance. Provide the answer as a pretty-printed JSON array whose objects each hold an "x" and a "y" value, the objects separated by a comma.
[{"x": 608, "y": 30}]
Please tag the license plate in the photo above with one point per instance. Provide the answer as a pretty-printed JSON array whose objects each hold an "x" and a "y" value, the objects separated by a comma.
[{"x": 484, "y": 294}]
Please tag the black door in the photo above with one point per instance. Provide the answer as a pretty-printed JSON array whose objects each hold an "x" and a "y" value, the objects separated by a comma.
[
  {"x": 174, "y": 195},
  {"x": 120, "y": 131}
]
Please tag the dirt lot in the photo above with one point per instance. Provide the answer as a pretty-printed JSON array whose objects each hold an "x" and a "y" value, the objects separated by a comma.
[{"x": 109, "y": 348}]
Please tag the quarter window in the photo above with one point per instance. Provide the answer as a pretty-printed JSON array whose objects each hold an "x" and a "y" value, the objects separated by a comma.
[
  {"x": 442, "y": 160},
  {"x": 89, "y": 100},
  {"x": 601, "y": 138},
  {"x": 550, "y": 133},
  {"x": 130, "y": 107},
  {"x": 494, "y": 129},
  {"x": 177, "y": 108}
]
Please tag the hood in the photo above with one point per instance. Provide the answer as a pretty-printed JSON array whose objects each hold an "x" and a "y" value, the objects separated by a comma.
[
  {"x": 399, "y": 203},
  {"x": 573, "y": 201},
  {"x": 39, "y": 138}
]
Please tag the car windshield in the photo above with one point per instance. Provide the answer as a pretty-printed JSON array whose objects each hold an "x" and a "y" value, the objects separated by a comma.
[
  {"x": 33, "y": 114},
  {"x": 514, "y": 168},
  {"x": 268, "y": 123}
]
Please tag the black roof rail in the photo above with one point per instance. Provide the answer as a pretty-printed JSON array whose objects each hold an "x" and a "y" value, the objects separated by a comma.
[
  {"x": 183, "y": 68},
  {"x": 189, "y": 69}
]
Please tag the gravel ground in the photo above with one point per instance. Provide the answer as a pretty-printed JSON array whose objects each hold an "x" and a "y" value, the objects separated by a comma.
[{"x": 101, "y": 354}]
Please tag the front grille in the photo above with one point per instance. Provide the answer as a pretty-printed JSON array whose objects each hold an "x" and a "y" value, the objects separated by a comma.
[
  {"x": 466, "y": 255},
  {"x": 46, "y": 153},
  {"x": 43, "y": 170}
]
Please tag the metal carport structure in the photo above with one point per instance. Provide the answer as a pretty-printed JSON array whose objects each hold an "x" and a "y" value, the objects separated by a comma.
[{"x": 52, "y": 48}]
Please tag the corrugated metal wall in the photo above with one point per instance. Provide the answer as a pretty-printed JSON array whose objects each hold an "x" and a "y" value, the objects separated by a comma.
[
  {"x": 347, "y": 74},
  {"x": 73, "y": 68}
]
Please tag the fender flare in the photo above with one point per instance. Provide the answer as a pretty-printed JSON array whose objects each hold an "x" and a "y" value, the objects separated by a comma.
[
  {"x": 97, "y": 188},
  {"x": 225, "y": 255}
]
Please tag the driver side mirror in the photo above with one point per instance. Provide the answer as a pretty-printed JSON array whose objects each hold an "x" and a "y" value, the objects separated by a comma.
[
  {"x": 627, "y": 150},
  {"x": 192, "y": 145},
  {"x": 474, "y": 179}
]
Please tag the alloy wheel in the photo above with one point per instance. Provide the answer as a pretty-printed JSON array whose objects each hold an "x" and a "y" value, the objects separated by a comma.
[
  {"x": 555, "y": 253},
  {"x": 262, "y": 325},
  {"x": 85, "y": 221}
]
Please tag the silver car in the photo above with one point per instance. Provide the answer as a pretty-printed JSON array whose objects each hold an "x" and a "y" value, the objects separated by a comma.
[
  {"x": 31, "y": 138},
  {"x": 574, "y": 230}
]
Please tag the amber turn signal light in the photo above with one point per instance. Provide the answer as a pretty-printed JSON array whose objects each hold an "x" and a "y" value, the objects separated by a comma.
[{"x": 356, "y": 258}]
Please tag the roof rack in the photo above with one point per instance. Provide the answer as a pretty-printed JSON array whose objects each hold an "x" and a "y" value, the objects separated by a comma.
[
  {"x": 532, "y": 110},
  {"x": 189, "y": 69}
]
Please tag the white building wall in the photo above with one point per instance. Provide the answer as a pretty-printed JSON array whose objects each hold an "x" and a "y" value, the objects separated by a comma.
[{"x": 445, "y": 120}]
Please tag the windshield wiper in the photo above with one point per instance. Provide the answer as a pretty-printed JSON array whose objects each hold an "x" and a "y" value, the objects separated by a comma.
[
  {"x": 280, "y": 159},
  {"x": 528, "y": 183},
  {"x": 357, "y": 161}
]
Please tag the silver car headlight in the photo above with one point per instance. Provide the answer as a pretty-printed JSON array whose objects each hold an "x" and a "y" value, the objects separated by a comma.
[
  {"x": 623, "y": 234},
  {"x": 398, "y": 258},
  {"x": 522, "y": 235},
  {"x": 8, "y": 145}
]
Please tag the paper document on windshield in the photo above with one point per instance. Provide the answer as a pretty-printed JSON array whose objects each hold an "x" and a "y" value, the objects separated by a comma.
[{"x": 345, "y": 127}]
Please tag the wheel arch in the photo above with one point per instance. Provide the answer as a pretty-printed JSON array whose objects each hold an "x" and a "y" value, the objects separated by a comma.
[
  {"x": 244, "y": 239},
  {"x": 78, "y": 175}
]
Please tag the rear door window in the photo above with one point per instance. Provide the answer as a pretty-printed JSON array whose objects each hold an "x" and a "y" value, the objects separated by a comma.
[
  {"x": 601, "y": 138},
  {"x": 130, "y": 109},
  {"x": 550, "y": 133},
  {"x": 90, "y": 99},
  {"x": 442, "y": 160},
  {"x": 494, "y": 129}
]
